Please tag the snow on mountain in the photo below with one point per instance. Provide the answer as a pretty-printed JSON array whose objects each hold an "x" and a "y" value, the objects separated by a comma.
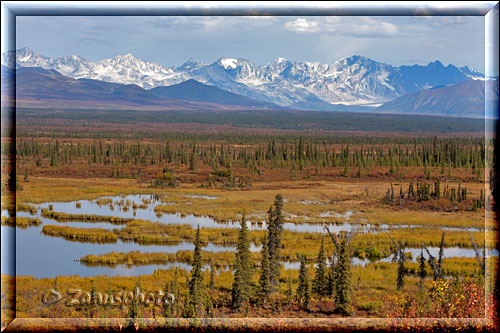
[
  {"x": 354, "y": 80},
  {"x": 228, "y": 62},
  {"x": 189, "y": 65}
]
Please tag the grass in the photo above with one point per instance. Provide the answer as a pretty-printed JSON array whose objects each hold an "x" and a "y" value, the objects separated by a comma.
[
  {"x": 327, "y": 197},
  {"x": 98, "y": 235},
  {"x": 372, "y": 286},
  {"x": 21, "y": 222},
  {"x": 305, "y": 202},
  {"x": 219, "y": 259},
  {"x": 59, "y": 216}
]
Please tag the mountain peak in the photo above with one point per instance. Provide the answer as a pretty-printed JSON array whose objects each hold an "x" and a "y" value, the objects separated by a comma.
[
  {"x": 351, "y": 80},
  {"x": 355, "y": 59},
  {"x": 228, "y": 62},
  {"x": 436, "y": 63},
  {"x": 25, "y": 53},
  {"x": 127, "y": 56},
  {"x": 26, "y": 50},
  {"x": 190, "y": 64},
  {"x": 191, "y": 82}
]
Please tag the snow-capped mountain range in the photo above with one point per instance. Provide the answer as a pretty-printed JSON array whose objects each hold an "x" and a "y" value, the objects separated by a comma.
[{"x": 354, "y": 80}]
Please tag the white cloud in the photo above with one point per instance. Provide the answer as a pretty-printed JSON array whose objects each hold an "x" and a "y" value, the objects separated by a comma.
[
  {"x": 375, "y": 29},
  {"x": 302, "y": 25},
  {"x": 346, "y": 26}
]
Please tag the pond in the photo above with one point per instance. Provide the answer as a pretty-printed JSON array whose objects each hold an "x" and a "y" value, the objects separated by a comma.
[
  {"x": 448, "y": 253},
  {"x": 40, "y": 256}
]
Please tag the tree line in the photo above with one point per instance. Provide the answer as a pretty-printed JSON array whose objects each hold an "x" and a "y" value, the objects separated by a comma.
[{"x": 423, "y": 152}]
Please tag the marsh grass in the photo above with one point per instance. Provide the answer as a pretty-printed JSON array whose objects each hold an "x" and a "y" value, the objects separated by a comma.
[
  {"x": 98, "y": 235},
  {"x": 338, "y": 197},
  {"x": 60, "y": 216},
  {"x": 21, "y": 222}
]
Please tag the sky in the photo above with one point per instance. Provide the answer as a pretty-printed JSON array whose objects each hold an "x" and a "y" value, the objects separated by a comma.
[{"x": 171, "y": 40}]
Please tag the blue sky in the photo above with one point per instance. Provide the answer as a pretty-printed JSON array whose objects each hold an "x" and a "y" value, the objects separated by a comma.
[{"x": 169, "y": 41}]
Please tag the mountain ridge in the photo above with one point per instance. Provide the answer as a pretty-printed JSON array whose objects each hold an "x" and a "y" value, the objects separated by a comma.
[
  {"x": 38, "y": 86},
  {"x": 469, "y": 98},
  {"x": 354, "y": 80}
]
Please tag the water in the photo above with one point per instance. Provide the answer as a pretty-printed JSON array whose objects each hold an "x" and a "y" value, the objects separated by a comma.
[
  {"x": 41, "y": 256},
  {"x": 449, "y": 252},
  {"x": 92, "y": 207},
  {"x": 45, "y": 256}
]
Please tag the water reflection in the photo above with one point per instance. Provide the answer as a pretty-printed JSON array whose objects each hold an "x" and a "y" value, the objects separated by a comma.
[{"x": 41, "y": 256}]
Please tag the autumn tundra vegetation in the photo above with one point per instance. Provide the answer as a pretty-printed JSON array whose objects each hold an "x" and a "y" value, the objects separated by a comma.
[{"x": 309, "y": 224}]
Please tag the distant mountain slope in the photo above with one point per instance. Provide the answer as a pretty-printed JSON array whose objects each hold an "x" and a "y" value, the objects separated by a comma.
[
  {"x": 355, "y": 80},
  {"x": 49, "y": 87},
  {"x": 465, "y": 99},
  {"x": 192, "y": 90}
]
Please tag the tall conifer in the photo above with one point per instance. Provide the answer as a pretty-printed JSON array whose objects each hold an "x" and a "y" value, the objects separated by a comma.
[
  {"x": 242, "y": 283},
  {"x": 319, "y": 285},
  {"x": 196, "y": 286}
]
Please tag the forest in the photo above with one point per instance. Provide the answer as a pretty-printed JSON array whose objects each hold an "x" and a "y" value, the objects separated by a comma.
[{"x": 280, "y": 215}]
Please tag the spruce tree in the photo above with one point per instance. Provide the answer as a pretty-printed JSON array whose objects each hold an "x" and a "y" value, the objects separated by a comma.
[
  {"x": 193, "y": 160},
  {"x": 196, "y": 286},
  {"x": 441, "y": 255},
  {"x": 330, "y": 279},
  {"x": 242, "y": 283},
  {"x": 264, "y": 280},
  {"x": 174, "y": 287},
  {"x": 188, "y": 310},
  {"x": 167, "y": 306},
  {"x": 133, "y": 310},
  {"x": 319, "y": 285},
  {"x": 93, "y": 300},
  {"x": 302, "y": 294},
  {"x": 401, "y": 273},
  {"x": 209, "y": 309},
  {"x": 275, "y": 227},
  {"x": 421, "y": 268},
  {"x": 343, "y": 281},
  {"x": 289, "y": 290}
]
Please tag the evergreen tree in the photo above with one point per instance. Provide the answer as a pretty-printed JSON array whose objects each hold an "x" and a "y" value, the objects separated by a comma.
[
  {"x": 275, "y": 227},
  {"x": 243, "y": 273},
  {"x": 133, "y": 309},
  {"x": 264, "y": 280},
  {"x": 302, "y": 294},
  {"x": 330, "y": 279},
  {"x": 188, "y": 309},
  {"x": 93, "y": 299},
  {"x": 193, "y": 161},
  {"x": 209, "y": 307},
  {"x": 440, "y": 256},
  {"x": 177, "y": 294},
  {"x": 343, "y": 276},
  {"x": 196, "y": 286},
  {"x": 167, "y": 306},
  {"x": 319, "y": 285},
  {"x": 289, "y": 290},
  {"x": 421, "y": 268},
  {"x": 401, "y": 273}
]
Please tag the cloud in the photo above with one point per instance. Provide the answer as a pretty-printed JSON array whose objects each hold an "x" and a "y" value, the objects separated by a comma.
[
  {"x": 345, "y": 26},
  {"x": 370, "y": 27},
  {"x": 301, "y": 25}
]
